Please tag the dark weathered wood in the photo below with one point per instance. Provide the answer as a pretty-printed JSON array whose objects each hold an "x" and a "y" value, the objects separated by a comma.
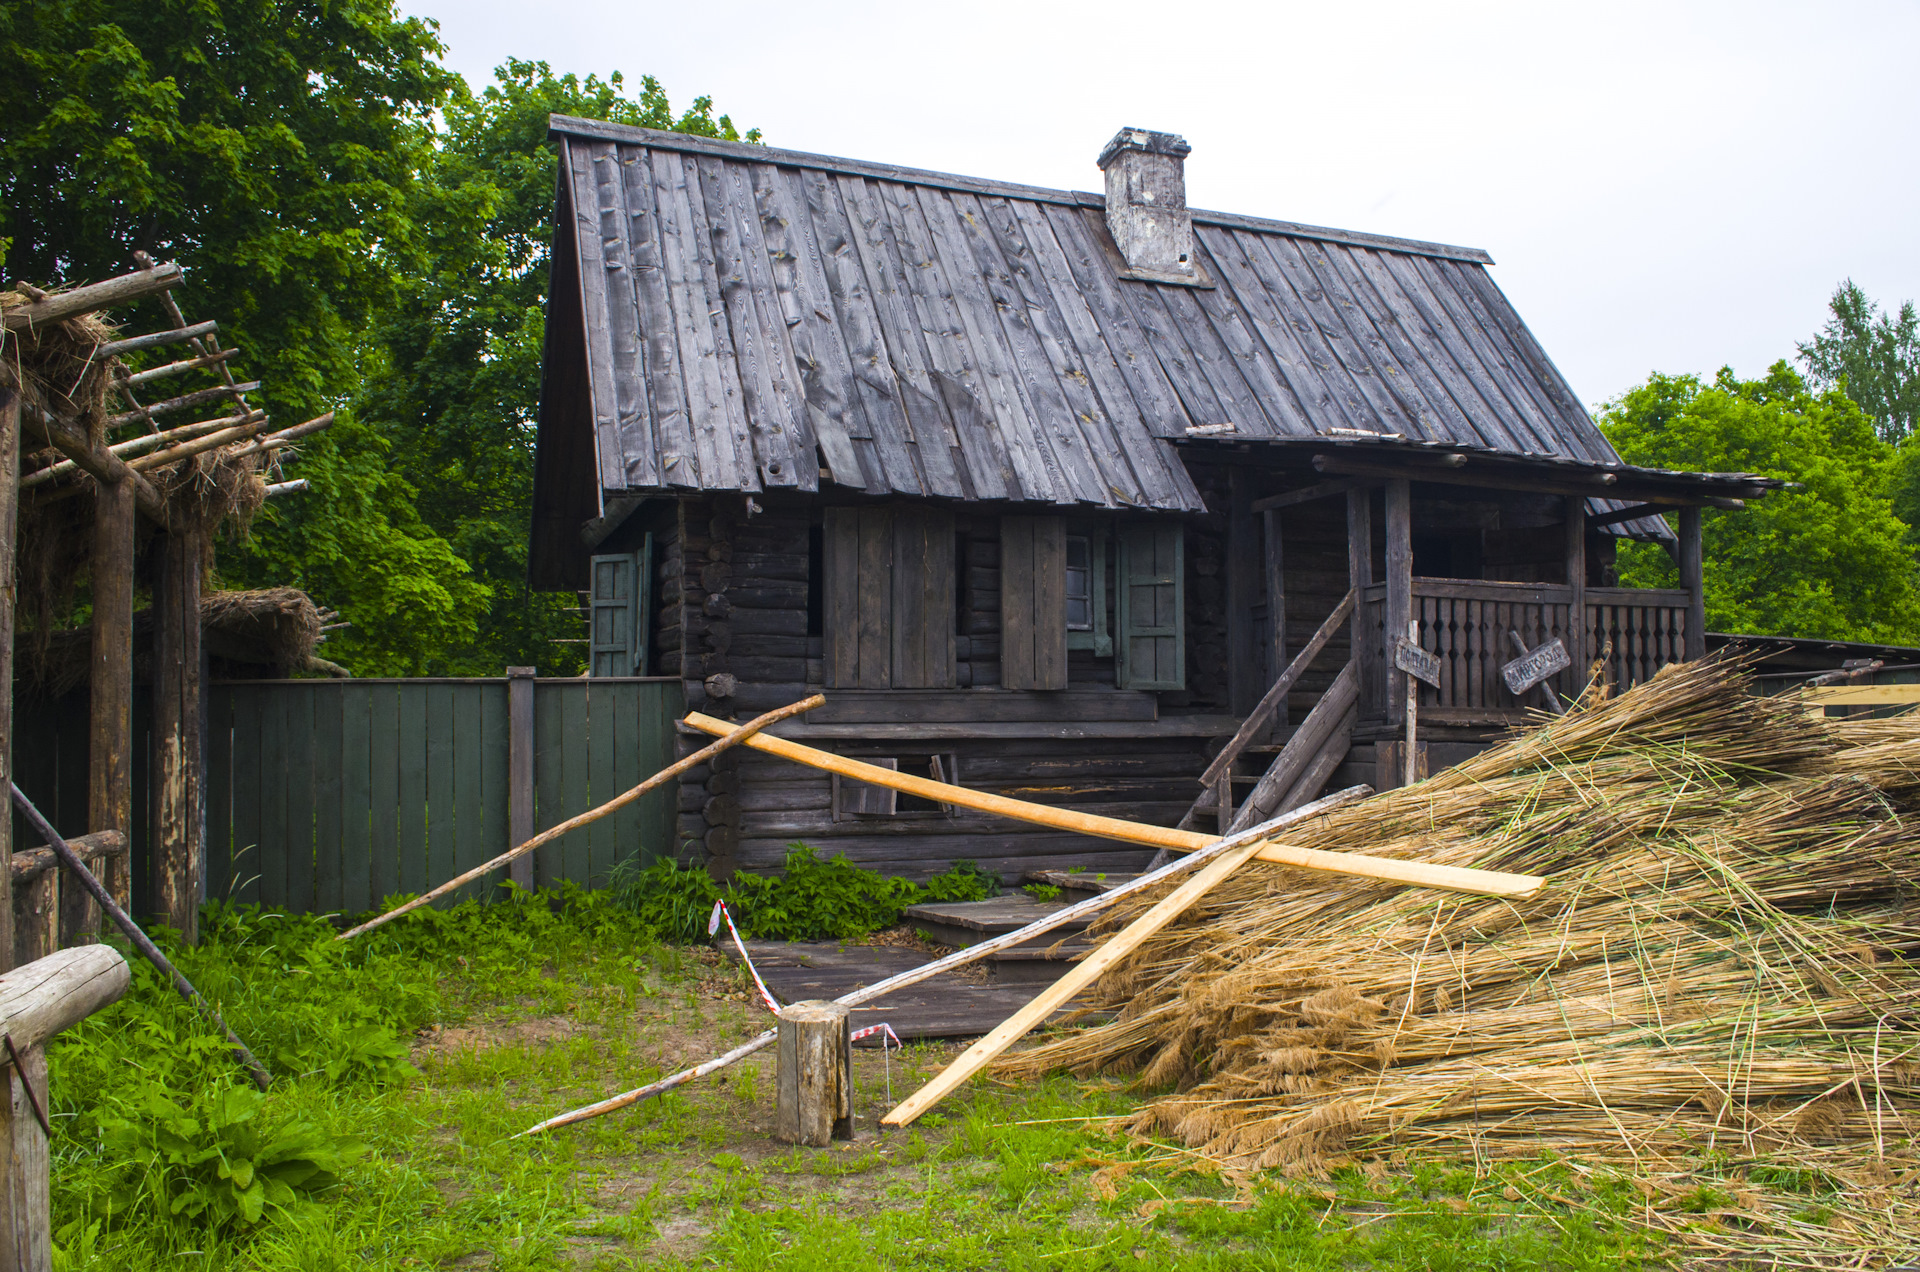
[
  {"x": 1632, "y": 512},
  {"x": 1276, "y": 695},
  {"x": 814, "y": 1105},
  {"x": 176, "y": 823},
  {"x": 296, "y": 781},
  {"x": 91, "y": 298},
  {"x": 520, "y": 761},
  {"x": 1312, "y": 494},
  {"x": 356, "y": 798},
  {"x": 1033, "y": 603},
  {"x": 906, "y": 706},
  {"x": 873, "y": 621},
  {"x": 1173, "y": 726},
  {"x": 1364, "y": 641},
  {"x": 1274, "y": 561},
  {"x": 110, "y": 732},
  {"x": 1399, "y": 606},
  {"x": 1307, "y": 742},
  {"x": 1332, "y": 754},
  {"x": 99, "y": 464},
  {"x": 1545, "y": 480},
  {"x": 9, "y": 577},
  {"x": 1243, "y": 582},
  {"x": 1693, "y": 582},
  {"x": 410, "y": 849},
  {"x": 922, "y": 620},
  {"x": 383, "y": 748},
  {"x": 1576, "y": 549},
  {"x": 329, "y": 783}
]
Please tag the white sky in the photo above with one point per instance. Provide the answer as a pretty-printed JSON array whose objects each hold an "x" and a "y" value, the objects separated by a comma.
[{"x": 1664, "y": 186}]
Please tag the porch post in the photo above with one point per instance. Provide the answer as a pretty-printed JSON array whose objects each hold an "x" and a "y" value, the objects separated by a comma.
[
  {"x": 1276, "y": 606},
  {"x": 1243, "y": 571},
  {"x": 1362, "y": 647},
  {"x": 1577, "y": 585},
  {"x": 1399, "y": 607},
  {"x": 1692, "y": 578},
  {"x": 177, "y": 826}
]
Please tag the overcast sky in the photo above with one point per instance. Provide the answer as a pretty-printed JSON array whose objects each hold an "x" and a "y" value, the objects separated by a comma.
[{"x": 1663, "y": 187}]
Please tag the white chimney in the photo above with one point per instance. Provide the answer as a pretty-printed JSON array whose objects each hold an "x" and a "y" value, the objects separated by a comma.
[{"x": 1147, "y": 204}]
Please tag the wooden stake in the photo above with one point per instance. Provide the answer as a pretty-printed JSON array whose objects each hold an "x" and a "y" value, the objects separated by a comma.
[
  {"x": 732, "y": 736},
  {"x": 1492, "y": 883},
  {"x": 1078, "y": 977},
  {"x": 972, "y": 953},
  {"x": 814, "y": 1104}
]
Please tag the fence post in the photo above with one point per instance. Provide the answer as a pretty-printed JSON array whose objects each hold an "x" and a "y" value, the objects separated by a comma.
[{"x": 520, "y": 771}]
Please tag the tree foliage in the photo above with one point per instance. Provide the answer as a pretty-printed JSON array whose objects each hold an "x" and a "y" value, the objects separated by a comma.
[
  {"x": 1871, "y": 356},
  {"x": 1827, "y": 560}
]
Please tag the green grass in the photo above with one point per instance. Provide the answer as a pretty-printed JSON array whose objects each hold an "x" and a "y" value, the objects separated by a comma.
[{"x": 416, "y": 1057}]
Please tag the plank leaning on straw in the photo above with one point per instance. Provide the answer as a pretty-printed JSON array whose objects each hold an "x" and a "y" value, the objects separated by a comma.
[
  {"x": 972, "y": 953},
  {"x": 731, "y": 735}
]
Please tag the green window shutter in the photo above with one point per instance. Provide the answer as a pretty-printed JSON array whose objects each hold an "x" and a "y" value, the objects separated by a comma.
[
  {"x": 1151, "y": 610},
  {"x": 617, "y": 612},
  {"x": 1033, "y": 602}
]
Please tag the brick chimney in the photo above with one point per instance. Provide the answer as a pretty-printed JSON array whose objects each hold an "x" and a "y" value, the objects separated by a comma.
[{"x": 1147, "y": 204}]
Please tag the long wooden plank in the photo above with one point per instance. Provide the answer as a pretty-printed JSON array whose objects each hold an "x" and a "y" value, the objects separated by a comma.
[
  {"x": 1419, "y": 874},
  {"x": 622, "y": 341},
  {"x": 1078, "y": 977},
  {"x": 1276, "y": 696},
  {"x": 672, "y": 460},
  {"x": 585, "y": 160},
  {"x": 756, "y": 350},
  {"x": 1307, "y": 742}
]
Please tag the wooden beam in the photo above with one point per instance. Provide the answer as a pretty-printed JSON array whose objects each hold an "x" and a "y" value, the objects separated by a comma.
[
  {"x": 1078, "y": 977},
  {"x": 1293, "y": 498},
  {"x": 1576, "y": 554},
  {"x": 246, "y": 426},
  {"x": 1693, "y": 579},
  {"x": 9, "y": 580},
  {"x": 1456, "y": 878},
  {"x": 1301, "y": 749},
  {"x": 100, "y": 465},
  {"x": 1399, "y": 607},
  {"x": 177, "y": 835},
  {"x": 181, "y": 403},
  {"x": 94, "y": 296},
  {"x": 1276, "y": 696},
  {"x": 1592, "y": 484},
  {"x": 1632, "y": 513},
  {"x": 176, "y": 368},
  {"x": 157, "y": 339}
]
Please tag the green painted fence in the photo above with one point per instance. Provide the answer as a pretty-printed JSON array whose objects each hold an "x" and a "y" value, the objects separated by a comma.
[{"x": 329, "y": 795}]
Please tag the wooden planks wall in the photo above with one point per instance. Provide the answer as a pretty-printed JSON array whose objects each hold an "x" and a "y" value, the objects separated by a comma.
[{"x": 328, "y": 796}]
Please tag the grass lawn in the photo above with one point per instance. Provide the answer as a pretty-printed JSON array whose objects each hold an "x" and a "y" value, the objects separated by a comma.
[{"x": 512, "y": 1014}]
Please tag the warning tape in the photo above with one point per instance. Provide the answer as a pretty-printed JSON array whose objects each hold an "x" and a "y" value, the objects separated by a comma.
[
  {"x": 713, "y": 927},
  {"x": 882, "y": 1027}
]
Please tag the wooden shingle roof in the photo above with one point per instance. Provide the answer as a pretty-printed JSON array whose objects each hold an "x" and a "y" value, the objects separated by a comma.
[{"x": 727, "y": 317}]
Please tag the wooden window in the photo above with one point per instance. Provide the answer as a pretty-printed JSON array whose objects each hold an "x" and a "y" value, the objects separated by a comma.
[
  {"x": 1033, "y": 602},
  {"x": 888, "y": 603},
  {"x": 1087, "y": 591},
  {"x": 617, "y": 612},
  {"x": 852, "y": 799},
  {"x": 1152, "y": 603}
]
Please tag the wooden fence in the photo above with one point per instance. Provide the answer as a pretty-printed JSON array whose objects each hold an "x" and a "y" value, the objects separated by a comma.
[{"x": 329, "y": 795}]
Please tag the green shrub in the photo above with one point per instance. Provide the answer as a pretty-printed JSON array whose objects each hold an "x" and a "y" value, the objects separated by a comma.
[{"x": 810, "y": 900}]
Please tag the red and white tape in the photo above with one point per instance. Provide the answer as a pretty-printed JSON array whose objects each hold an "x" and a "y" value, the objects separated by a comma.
[
  {"x": 882, "y": 1027},
  {"x": 713, "y": 927}
]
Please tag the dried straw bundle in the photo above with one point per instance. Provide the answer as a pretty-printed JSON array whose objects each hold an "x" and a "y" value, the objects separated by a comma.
[{"x": 1723, "y": 960}]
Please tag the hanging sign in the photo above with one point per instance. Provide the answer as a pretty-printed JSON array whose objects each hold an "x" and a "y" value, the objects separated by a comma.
[
  {"x": 1417, "y": 662},
  {"x": 1530, "y": 668}
]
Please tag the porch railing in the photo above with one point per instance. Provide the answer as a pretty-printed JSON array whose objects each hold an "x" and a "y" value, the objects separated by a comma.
[{"x": 1467, "y": 623}]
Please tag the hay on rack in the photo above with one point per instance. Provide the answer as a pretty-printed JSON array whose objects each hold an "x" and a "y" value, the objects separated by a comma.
[
  {"x": 1724, "y": 961},
  {"x": 271, "y": 632}
]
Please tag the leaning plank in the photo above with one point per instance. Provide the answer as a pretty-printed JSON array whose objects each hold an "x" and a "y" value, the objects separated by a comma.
[
  {"x": 94, "y": 296},
  {"x": 1276, "y": 696},
  {"x": 972, "y": 953},
  {"x": 1419, "y": 874},
  {"x": 1078, "y": 977},
  {"x": 1308, "y": 741},
  {"x": 731, "y": 735}
]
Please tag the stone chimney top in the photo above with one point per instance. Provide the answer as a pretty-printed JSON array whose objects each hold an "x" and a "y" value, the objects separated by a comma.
[{"x": 1147, "y": 204}]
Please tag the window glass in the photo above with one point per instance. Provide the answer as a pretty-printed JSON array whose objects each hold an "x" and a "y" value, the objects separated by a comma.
[{"x": 1079, "y": 584}]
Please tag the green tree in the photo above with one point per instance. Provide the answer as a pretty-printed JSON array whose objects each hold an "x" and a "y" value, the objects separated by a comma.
[
  {"x": 1826, "y": 560},
  {"x": 453, "y": 376},
  {"x": 1873, "y": 357}
]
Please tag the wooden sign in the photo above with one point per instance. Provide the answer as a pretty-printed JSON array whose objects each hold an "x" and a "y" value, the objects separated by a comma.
[
  {"x": 1417, "y": 662},
  {"x": 1530, "y": 668}
]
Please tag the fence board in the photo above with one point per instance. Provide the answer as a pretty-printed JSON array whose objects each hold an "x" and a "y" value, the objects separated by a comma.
[
  {"x": 243, "y": 845},
  {"x": 413, "y": 789},
  {"x": 605, "y": 706},
  {"x": 623, "y": 828},
  {"x": 275, "y": 722},
  {"x": 442, "y": 797},
  {"x": 219, "y": 794},
  {"x": 297, "y": 776},
  {"x": 329, "y": 890},
  {"x": 493, "y": 781},
  {"x": 547, "y": 803},
  {"x": 356, "y": 798},
  {"x": 471, "y": 846},
  {"x": 383, "y": 778},
  {"x": 576, "y": 767}
]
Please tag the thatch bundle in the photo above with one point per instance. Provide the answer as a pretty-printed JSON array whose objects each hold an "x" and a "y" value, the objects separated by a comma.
[{"x": 1722, "y": 963}]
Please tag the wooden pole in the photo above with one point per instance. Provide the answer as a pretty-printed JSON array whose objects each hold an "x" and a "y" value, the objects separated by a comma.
[
  {"x": 177, "y": 846},
  {"x": 85, "y": 300},
  {"x": 731, "y": 735},
  {"x": 520, "y": 742},
  {"x": 814, "y": 1104},
  {"x": 972, "y": 953},
  {"x": 1399, "y": 607},
  {"x": 9, "y": 580},
  {"x": 1078, "y": 977},
  {"x": 77, "y": 871},
  {"x": 1273, "y": 705},
  {"x": 1413, "y": 711},
  {"x": 1576, "y": 641},
  {"x": 1693, "y": 579},
  {"x": 110, "y": 732},
  {"x": 1415, "y": 873},
  {"x": 36, "y": 1002}
]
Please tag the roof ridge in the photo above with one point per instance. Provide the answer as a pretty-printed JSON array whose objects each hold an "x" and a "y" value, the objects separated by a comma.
[{"x": 633, "y": 134}]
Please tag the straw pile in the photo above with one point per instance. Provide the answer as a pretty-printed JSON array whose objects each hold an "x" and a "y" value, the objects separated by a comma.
[{"x": 1721, "y": 965}]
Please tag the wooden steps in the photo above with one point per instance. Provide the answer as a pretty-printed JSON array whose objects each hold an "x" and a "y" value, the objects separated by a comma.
[{"x": 963, "y": 923}]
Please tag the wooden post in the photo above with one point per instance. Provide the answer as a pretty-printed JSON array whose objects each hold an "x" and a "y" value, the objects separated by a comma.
[
  {"x": 36, "y": 1002},
  {"x": 1412, "y": 708},
  {"x": 1276, "y": 606},
  {"x": 1244, "y": 683},
  {"x": 1693, "y": 579},
  {"x": 1576, "y": 641},
  {"x": 1363, "y": 644},
  {"x": 177, "y": 834},
  {"x": 520, "y": 772},
  {"x": 9, "y": 509},
  {"x": 815, "y": 1105},
  {"x": 1399, "y": 606},
  {"x": 110, "y": 735}
]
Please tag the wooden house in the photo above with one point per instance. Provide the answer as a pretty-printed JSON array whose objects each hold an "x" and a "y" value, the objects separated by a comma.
[{"x": 1045, "y": 488}]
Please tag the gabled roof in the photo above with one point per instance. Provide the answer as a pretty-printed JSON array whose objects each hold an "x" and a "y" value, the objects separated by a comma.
[{"x": 724, "y": 316}]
